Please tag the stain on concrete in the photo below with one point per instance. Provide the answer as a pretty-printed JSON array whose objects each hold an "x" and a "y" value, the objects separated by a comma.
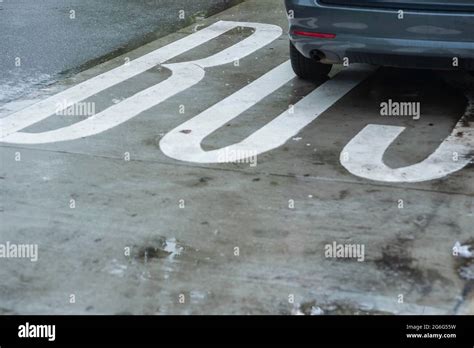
[
  {"x": 158, "y": 248},
  {"x": 343, "y": 194},
  {"x": 153, "y": 141},
  {"x": 398, "y": 263},
  {"x": 274, "y": 233},
  {"x": 6, "y": 311},
  {"x": 464, "y": 268},
  {"x": 334, "y": 308},
  {"x": 201, "y": 182}
]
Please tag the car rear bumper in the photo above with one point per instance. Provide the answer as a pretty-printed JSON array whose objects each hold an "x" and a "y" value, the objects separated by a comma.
[{"x": 432, "y": 39}]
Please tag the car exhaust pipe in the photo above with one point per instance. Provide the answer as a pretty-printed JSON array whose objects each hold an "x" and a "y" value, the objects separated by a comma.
[{"x": 317, "y": 55}]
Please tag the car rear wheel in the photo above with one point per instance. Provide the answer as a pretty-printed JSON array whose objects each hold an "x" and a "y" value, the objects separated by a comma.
[{"x": 307, "y": 69}]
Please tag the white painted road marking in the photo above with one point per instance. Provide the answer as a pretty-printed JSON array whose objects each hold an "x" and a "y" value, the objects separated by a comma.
[
  {"x": 366, "y": 150},
  {"x": 184, "y": 76},
  {"x": 187, "y": 146}
]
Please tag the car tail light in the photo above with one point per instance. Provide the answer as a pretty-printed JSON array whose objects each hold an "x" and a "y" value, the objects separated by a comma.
[{"x": 313, "y": 34}]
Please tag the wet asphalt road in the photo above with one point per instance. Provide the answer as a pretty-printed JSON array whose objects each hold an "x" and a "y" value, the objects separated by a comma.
[
  {"x": 49, "y": 39},
  {"x": 134, "y": 217}
]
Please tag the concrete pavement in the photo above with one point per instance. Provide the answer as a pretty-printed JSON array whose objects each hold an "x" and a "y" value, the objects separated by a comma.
[
  {"x": 123, "y": 228},
  {"x": 45, "y": 41}
]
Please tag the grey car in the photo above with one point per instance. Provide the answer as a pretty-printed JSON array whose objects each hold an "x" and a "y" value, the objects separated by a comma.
[{"x": 414, "y": 34}]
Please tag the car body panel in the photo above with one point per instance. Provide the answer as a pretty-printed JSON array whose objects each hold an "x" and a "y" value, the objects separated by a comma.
[
  {"x": 385, "y": 36},
  {"x": 423, "y": 5}
]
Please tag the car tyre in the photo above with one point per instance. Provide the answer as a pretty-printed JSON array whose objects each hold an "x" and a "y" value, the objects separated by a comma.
[{"x": 306, "y": 68}]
